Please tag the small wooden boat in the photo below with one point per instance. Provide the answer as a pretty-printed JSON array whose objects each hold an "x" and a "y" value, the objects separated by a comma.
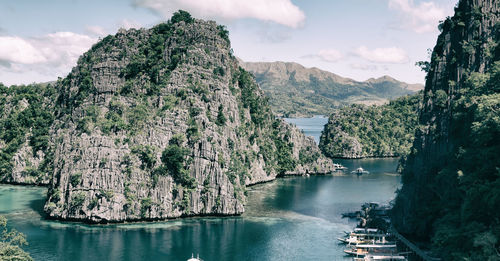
[
  {"x": 338, "y": 166},
  {"x": 360, "y": 171}
]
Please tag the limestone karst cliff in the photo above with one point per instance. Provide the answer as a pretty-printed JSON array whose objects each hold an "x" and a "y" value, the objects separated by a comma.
[
  {"x": 450, "y": 179},
  {"x": 360, "y": 131},
  {"x": 162, "y": 123}
]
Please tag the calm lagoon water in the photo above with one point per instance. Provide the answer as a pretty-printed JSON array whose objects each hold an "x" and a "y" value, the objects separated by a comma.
[
  {"x": 311, "y": 126},
  {"x": 289, "y": 219}
]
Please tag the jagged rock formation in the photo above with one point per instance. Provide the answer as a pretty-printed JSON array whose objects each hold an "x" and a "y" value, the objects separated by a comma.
[
  {"x": 360, "y": 131},
  {"x": 162, "y": 123},
  {"x": 296, "y": 91},
  {"x": 450, "y": 179},
  {"x": 26, "y": 114}
]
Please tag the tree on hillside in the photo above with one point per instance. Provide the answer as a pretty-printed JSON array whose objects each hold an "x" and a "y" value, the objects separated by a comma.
[{"x": 11, "y": 242}]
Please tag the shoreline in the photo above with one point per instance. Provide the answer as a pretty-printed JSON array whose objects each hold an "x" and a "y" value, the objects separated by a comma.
[{"x": 46, "y": 217}]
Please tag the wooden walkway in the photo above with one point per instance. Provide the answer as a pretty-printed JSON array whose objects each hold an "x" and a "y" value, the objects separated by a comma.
[{"x": 421, "y": 254}]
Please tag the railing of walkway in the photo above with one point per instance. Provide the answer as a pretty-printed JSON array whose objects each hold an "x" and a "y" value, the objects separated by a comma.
[{"x": 415, "y": 249}]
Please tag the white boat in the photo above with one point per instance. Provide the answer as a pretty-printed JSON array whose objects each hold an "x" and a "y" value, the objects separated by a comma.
[
  {"x": 353, "y": 240},
  {"x": 382, "y": 257},
  {"x": 338, "y": 166},
  {"x": 363, "y": 234},
  {"x": 360, "y": 171},
  {"x": 356, "y": 239},
  {"x": 362, "y": 250}
]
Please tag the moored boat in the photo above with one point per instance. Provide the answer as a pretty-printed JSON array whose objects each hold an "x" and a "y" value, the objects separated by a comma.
[
  {"x": 339, "y": 166},
  {"x": 365, "y": 236},
  {"x": 380, "y": 257},
  {"x": 360, "y": 171},
  {"x": 362, "y": 250}
]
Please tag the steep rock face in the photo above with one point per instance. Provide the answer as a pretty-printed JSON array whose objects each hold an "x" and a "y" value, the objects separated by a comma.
[
  {"x": 161, "y": 123},
  {"x": 454, "y": 158},
  {"x": 298, "y": 91},
  {"x": 26, "y": 114},
  {"x": 340, "y": 144},
  {"x": 360, "y": 131}
]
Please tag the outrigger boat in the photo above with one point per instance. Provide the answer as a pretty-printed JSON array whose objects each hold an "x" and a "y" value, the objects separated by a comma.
[
  {"x": 355, "y": 239},
  {"x": 376, "y": 257},
  {"x": 338, "y": 166},
  {"x": 360, "y": 171},
  {"x": 362, "y": 250},
  {"x": 365, "y": 236}
]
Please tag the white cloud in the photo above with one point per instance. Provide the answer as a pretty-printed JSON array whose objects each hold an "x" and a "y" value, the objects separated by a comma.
[
  {"x": 364, "y": 67},
  {"x": 421, "y": 18},
  {"x": 127, "y": 24},
  {"x": 283, "y": 12},
  {"x": 382, "y": 55},
  {"x": 50, "y": 55},
  {"x": 63, "y": 48},
  {"x": 326, "y": 55},
  {"x": 95, "y": 30},
  {"x": 330, "y": 55},
  {"x": 17, "y": 50}
]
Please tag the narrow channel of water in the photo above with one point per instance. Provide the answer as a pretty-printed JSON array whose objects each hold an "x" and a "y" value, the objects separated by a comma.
[{"x": 292, "y": 218}]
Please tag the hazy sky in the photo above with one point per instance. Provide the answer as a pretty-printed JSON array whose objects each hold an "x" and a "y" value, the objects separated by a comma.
[{"x": 360, "y": 39}]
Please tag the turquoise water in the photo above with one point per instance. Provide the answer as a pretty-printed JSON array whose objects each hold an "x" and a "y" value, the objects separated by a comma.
[
  {"x": 311, "y": 126},
  {"x": 289, "y": 219}
]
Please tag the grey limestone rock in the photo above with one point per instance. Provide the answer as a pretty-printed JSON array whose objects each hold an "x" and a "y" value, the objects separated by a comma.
[{"x": 113, "y": 137}]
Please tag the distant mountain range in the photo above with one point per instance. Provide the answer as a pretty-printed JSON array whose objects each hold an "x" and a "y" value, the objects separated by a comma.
[{"x": 295, "y": 90}]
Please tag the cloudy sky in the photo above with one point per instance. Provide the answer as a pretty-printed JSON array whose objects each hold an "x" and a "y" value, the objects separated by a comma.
[{"x": 360, "y": 39}]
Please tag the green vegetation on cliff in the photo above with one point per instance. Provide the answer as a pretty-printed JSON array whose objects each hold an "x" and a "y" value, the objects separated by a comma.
[
  {"x": 26, "y": 114},
  {"x": 451, "y": 178},
  {"x": 11, "y": 242},
  {"x": 359, "y": 131}
]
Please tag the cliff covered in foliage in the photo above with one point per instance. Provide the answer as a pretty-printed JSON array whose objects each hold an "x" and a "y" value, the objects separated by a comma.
[
  {"x": 360, "y": 131},
  {"x": 451, "y": 178},
  {"x": 26, "y": 116},
  {"x": 151, "y": 124}
]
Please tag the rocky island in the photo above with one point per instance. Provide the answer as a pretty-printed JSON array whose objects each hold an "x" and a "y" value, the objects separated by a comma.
[
  {"x": 361, "y": 131},
  {"x": 153, "y": 124}
]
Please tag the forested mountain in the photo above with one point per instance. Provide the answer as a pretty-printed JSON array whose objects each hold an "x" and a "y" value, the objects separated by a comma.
[
  {"x": 151, "y": 124},
  {"x": 359, "y": 131},
  {"x": 26, "y": 116},
  {"x": 294, "y": 90},
  {"x": 451, "y": 178}
]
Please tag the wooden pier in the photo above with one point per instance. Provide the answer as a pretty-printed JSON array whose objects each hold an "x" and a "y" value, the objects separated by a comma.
[{"x": 415, "y": 249}]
